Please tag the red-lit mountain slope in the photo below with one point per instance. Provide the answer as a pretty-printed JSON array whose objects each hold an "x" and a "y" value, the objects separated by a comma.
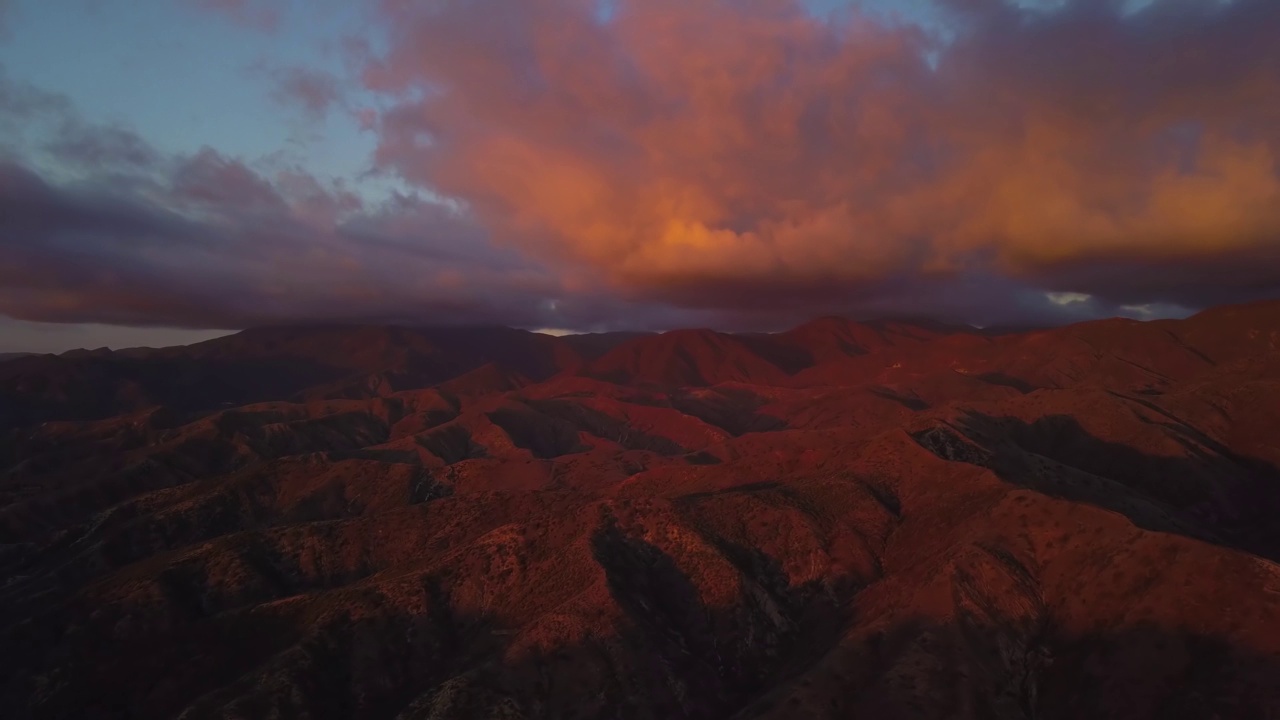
[
  {"x": 847, "y": 520},
  {"x": 685, "y": 358}
]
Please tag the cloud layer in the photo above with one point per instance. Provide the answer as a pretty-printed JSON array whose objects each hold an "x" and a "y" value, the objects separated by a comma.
[
  {"x": 115, "y": 232},
  {"x": 711, "y": 151},
  {"x": 698, "y": 162}
]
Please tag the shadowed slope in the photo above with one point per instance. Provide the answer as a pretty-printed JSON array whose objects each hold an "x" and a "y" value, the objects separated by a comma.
[{"x": 267, "y": 364}]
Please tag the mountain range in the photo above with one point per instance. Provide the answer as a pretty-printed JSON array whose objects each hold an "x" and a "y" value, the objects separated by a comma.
[{"x": 893, "y": 519}]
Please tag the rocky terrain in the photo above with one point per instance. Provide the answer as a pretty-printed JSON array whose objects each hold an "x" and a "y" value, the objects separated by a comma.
[{"x": 846, "y": 520}]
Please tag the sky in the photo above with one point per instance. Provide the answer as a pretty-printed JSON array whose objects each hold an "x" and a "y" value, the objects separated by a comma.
[{"x": 172, "y": 170}]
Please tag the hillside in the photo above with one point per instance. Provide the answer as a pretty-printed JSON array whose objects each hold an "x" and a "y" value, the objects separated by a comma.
[{"x": 846, "y": 520}]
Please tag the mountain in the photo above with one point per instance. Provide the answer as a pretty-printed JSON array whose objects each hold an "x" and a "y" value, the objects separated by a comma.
[
  {"x": 266, "y": 364},
  {"x": 832, "y": 338},
  {"x": 883, "y": 519},
  {"x": 592, "y": 345},
  {"x": 684, "y": 358}
]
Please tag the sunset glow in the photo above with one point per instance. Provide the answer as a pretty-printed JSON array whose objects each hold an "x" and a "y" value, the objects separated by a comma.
[{"x": 562, "y": 163}]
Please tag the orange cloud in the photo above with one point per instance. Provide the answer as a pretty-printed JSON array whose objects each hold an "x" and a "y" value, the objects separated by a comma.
[{"x": 701, "y": 143}]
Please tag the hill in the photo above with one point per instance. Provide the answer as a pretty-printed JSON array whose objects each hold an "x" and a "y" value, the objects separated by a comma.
[
  {"x": 885, "y": 519},
  {"x": 685, "y": 358}
]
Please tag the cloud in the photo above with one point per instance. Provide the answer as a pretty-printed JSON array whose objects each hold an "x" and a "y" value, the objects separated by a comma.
[
  {"x": 211, "y": 243},
  {"x": 107, "y": 147},
  {"x": 118, "y": 233},
  {"x": 314, "y": 91},
  {"x": 96, "y": 225},
  {"x": 708, "y": 153},
  {"x": 34, "y": 121},
  {"x": 23, "y": 106},
  {"x": 743, "y": 165},
  {"x": 1068, "y": 298}
]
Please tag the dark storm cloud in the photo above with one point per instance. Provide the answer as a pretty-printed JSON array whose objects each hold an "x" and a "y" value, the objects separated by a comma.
[
  {"x": 129, "y": 236},
  {"x": 215, "y": 245}
]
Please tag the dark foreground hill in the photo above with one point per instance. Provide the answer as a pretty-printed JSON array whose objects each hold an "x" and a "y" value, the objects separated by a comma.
[{"x": 847, "y": 520}]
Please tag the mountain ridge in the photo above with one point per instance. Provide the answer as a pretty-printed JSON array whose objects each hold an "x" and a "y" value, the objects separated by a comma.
[{"x": 1054, "y": 524}]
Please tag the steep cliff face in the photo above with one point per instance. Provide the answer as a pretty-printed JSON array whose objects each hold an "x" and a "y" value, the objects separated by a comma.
[{"x": 909, "y": 523}]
